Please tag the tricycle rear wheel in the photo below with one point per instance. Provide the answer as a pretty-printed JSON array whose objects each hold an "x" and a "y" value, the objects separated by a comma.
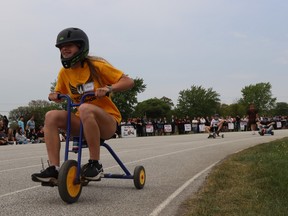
[{"x": 139, "y": 177}]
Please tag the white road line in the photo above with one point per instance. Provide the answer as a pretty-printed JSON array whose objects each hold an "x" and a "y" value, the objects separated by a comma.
[
  {"x": 120, "y": 152},
  {"x": 107, "y": 168},
  {"x": 137, "y": 161},
  {"x": 19, "y": 191},
  {"x": 26, "y": 158},
  {"x": 163, "y": 205}
]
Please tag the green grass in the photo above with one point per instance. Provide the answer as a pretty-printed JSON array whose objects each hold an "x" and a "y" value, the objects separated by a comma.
[{"x": 251, "y": 182}]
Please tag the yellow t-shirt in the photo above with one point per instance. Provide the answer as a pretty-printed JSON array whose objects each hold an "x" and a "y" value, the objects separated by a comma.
[{"x": 69, "y": 79}]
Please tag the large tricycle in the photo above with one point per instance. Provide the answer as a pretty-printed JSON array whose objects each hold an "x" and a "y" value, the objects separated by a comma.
[{"x": 70, "y": 179}]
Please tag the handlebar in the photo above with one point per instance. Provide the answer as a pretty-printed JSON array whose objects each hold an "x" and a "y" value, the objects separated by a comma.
[{"x": 68, "y": 98}]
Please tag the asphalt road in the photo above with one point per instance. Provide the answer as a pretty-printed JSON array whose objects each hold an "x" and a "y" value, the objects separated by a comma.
[{"x": 175, "y": 167}]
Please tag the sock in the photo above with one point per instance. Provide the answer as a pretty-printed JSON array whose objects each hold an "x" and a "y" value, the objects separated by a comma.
[{"x": 94, "y": 161}]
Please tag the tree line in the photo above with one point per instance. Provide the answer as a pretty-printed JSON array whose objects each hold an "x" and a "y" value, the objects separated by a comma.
[{"x": 195, "y": 101}]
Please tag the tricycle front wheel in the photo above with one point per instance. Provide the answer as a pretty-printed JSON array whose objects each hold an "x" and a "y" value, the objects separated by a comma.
[{"x": 69, "y": 189}]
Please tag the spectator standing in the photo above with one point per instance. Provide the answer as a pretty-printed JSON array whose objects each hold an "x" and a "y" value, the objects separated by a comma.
[
  {"x": 21, "y": 123},
  {"x": 202, "y": 123},
  {"x": 231, "y": 125},
  {"x": 173, "y": 124},
  {"x": 195, "y": 125},
  {"x": 139, "y": 126},
  {"x": 252, "y": 115},
  {"x": 159, "y": 126},
  {"x": 30, "y": 125},
  {"x": 180, "y": 126},
  {"x": 237, "y": 123}
]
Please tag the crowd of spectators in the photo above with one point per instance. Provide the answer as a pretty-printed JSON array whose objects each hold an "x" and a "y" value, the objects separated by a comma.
[
  {"x": 20, "y": 133},
  {"x": 162, "y": 126},
  {"x": 29, "y": 133}
]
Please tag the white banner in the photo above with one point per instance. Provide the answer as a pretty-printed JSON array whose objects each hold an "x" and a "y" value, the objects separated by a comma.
[
  {"x": 128, "y": 131},
  {"x": 279, "y": 124},
  {"x": 201, "y": 127},
  {"x": 149, "y": 129},
  {"x": 187, "y": 127},
  {"x": 242, "y": 125},
  {"x": 231, "y": 126},
  {"x": 168, "y": 128}
]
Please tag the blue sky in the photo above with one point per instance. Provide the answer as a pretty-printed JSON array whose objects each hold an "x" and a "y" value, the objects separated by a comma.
[{"x": 172, "y": 44}]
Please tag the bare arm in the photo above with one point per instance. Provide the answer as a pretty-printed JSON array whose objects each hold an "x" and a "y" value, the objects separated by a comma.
[{"x": 124, "y": 83}]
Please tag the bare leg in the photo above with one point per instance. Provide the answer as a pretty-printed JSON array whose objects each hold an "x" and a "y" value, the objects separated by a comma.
[
  {"x": 96, "y": 124},
  {"x": 270, "y": 129},
  {"x": 253, "y": 128},
  {"x": 54, "y": 120},
  {"x": 207, "y": 129},
  {"x": 220, "y": 126}
]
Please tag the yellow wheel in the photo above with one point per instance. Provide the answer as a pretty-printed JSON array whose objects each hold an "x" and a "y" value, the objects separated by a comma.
[
  {"x": 68, "y": 188},
  {"x": 139, "y": 177}
]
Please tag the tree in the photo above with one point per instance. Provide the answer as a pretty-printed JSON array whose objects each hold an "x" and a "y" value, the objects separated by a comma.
[
  {"x": 197, "y": 101},
  {"x": 224, "y": 110},
  {"x": 281, "y": 109},
  {"x": 53, "y": 84},
  {"x": 168, "y": 101},
  {"x": 38, "y": 108},
  {"x": 232, "y": 110},
  {"x": 152, "y": 108},
  {"x": 126, "y": 101},
  {"x": 259, "y": 94}
]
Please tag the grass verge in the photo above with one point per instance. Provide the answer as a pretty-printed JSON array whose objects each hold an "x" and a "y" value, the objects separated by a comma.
[{"x": 251, "y": 182}]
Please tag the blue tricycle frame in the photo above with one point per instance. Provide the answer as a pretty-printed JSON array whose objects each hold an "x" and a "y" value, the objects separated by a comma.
[{"x": 70, "y": 180}]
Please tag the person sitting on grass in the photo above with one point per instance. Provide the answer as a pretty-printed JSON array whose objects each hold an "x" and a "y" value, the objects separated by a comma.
[
  {"x": 40, "y": 135},
  {"x": 32, "y": 135},
  {"x": 20, "y": 136}
]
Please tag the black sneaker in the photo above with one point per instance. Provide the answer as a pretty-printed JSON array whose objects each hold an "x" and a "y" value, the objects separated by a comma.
[
  {"x": 50, "y": 174},
  {"x": 92, "y": 171}
]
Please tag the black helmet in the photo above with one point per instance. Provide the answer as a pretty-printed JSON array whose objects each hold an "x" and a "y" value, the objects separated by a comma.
[{"x": 73, "y": 35}]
